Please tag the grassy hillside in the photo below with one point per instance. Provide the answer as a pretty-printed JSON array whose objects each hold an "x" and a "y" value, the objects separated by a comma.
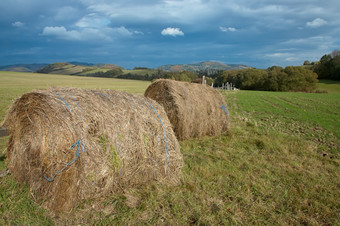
[
  {"x": 278, "y": 165},
  {"x": 71, "y": 69},
  {"x": 81, "y": 69},
  {"x": 330, "y": 86}
]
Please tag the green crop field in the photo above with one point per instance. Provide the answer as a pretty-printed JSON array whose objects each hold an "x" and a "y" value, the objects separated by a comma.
[{"x": 278, "y": 164}]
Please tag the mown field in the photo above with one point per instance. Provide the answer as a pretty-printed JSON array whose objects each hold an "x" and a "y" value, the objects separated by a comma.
[{"x": 278, "y": 164}]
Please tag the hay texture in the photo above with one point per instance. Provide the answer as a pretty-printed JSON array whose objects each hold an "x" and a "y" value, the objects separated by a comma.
[
  {"x": 73, "y": 144},
  {"x": 194, "y": 110}
]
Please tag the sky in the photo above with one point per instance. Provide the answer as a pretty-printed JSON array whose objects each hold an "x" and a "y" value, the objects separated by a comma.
[{"x": 151, "y": 33}]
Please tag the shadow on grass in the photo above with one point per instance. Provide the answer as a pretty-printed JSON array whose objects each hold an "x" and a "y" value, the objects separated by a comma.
[{"x": 2, "y": 158}]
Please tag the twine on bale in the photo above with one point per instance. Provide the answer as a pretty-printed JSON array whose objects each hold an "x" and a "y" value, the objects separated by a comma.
[
  {"x": 79, "y": 143},
  {"x": 80, "y": 146},
  {"x": 224, "y": 108},
  {"x": 112, "y": 125},
  {"x": 65, "y": 102},
  {"x": 165, "y": 140},
  {"x": 186, "y": 98}
]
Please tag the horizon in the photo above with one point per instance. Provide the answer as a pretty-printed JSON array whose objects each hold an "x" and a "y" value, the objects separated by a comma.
[
  {"x": 161, "y": 32},
  {"x": 92, "y": 64}
]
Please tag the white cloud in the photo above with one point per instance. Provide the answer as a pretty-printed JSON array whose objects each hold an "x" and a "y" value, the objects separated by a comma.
[
  {"x": 226, "y": 29},
  {"x": 93, "y": 20},
  {"x": 121, "y": 31},
  {"x": 318, "y": 22},
  {"x": 314, "y": 41},
  {"x": 172, "y": 31},
  {"x": 62, "y": 33},
  {"x": 18, "y": 24},
  {"x": 83, "y": 34},
  {"x": 278, "y": 54}
]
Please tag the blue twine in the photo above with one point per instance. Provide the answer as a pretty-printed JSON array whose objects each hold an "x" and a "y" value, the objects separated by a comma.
[
  {"x": 225, "y": 109},
  {"x": 75, "y": 101},
  {"x": 155, "y": 165},
  {"x": 80, "y": 147},
  {"x": 166, "y": 143},
  {"x": 186, "y": 98},
  {"x": 65, "y": 102},
  {"x": 102, "y": 94},
  {"x": 186, "y": 95},
  {"x": 122, "y": 158}
]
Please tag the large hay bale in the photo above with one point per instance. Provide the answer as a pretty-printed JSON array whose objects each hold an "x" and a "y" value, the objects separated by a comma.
[
  {"x": 194, "y": 110},
  {"x": 73, "y": 144}
]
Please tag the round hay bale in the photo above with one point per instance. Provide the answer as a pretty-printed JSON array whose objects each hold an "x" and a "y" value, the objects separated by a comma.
[
  {"x": 194, "y": 110},
  {"x": 73, "y": 144}
]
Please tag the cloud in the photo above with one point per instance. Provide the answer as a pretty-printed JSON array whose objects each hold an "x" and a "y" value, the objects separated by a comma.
[
  {"x": 166, "y": 11},
  {"x": 67, "y": 13},
  {"x": 121, "y": 31},
  {"x": 318, "y": 22},
  {"x": 85, "y": 34},
  {"x": 311, "y": 42},
  {"x": 226, "y": 29},
  {"x": 172, "y": 31},
  {"x": 18, "y": 24},
  {"x": 93, "y": 20},
  {"x": 62, "y": 33},
  {"x": 277, "y": 55}
]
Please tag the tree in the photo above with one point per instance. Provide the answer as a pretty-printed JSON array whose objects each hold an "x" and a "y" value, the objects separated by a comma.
[
  {"x": 307, "y": 62},
  {"x": 335, "y": 53},
  {"x": 113, "y": 72},
  {"x": 329, "y": 66}
]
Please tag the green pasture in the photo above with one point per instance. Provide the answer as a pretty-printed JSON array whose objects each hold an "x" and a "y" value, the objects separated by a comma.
[
  {"x": 312, "y": 115},
  {"x": 139, "y": 71},
  {"x": 277, "y": 165},
  {"x": 330, "y": 86}
]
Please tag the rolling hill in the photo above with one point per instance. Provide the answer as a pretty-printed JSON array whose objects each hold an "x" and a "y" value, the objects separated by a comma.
[
  {"x": 22, "y": 67},
  {"x": 202, "y": 66},
  {"x": 82, "y": 69}
]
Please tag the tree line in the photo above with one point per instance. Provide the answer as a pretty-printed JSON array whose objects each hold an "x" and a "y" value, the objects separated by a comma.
[
  {"x": 272, "y": 79},
  {"x": 292, "y": 78}
]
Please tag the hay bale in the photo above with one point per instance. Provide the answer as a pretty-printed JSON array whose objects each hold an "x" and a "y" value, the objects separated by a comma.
[
  {"x": 73, "y": 144},
  {"x": 194, "y": 110}
]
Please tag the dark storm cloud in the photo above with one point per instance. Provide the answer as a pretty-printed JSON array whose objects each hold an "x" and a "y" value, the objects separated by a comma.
[{"x": 151, "y": 33}]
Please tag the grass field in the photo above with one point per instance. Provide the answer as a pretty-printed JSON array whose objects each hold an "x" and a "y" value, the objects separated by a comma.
[
  {"x": 14, "y": 84},
  {"x": 278, "y": 164}
]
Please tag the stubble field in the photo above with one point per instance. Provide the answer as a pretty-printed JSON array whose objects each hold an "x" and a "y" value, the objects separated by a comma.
[{"x": 278, "y": 164}]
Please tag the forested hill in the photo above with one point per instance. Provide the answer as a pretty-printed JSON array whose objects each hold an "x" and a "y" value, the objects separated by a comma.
[{"x": 202, "y": 66}]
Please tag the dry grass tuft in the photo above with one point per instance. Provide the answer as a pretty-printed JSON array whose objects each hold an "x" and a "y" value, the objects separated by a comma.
[
  {"x": 74, "y": 144},
  {"x": 194, "y": 110}
]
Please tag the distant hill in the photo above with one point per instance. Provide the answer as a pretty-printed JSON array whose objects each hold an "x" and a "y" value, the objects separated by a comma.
[
  {"x": 22, "y": 67},
  {"x": 81, "y": 69},
  {"x": 202, "y": 66}
]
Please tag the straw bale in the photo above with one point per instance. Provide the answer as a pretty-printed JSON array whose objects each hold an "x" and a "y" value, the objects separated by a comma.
[
  {"x": 194, "y": 110},
  {"x": 71, "y": 144}
]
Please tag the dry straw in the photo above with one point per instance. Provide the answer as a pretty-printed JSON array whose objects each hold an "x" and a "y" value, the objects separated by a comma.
[
  {"x": 193, "y": 109},
  {"x": 73, "y": 144}
]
